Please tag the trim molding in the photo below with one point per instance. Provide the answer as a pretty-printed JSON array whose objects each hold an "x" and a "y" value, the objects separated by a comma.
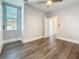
[
  {"x": 22, "y": 39},
  {"x": 46, "y": 36},
  {"x": 1, "y": 45},
  {"x": 11, "y": 40},
  {"x": 69, "y": 40},
  {"x": 32, "y": 39}
]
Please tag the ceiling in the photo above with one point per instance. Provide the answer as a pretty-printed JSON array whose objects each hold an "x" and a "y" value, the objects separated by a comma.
[{"x": 53, "y": 7}]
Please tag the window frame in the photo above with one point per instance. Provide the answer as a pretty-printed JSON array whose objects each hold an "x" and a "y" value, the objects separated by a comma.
[{"x": 4, "y": 14}]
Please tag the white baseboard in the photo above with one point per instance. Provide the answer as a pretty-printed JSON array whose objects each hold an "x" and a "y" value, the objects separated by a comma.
[
  {"x": 69, "y": 40},
  {"x": 12, "y": 40},
  {"x": 32, "y": 39}
]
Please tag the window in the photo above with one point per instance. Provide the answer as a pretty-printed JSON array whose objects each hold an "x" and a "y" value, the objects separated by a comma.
[{"x": 11, "y": 16}]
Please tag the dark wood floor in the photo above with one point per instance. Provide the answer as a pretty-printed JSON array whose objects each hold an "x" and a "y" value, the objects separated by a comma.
[{"x": 41, "y": 49}]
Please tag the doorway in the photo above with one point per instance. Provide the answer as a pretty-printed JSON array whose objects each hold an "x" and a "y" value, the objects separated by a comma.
[
  {"x": 51, "y": 27},
  {"x": 11, "y": 22}
]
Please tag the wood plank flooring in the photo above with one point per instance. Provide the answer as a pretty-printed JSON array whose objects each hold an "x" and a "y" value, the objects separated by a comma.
[{"x": 41, "y": 49}]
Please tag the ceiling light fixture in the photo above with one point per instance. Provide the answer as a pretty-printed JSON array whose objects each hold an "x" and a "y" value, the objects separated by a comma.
[{"x": 49, "y": 2}]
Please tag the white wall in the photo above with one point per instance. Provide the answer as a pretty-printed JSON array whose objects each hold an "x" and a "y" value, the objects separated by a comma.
[
  {"x": 33, "y": 24},
  {"x": 68, "y": 18},
  {"x": 14, "y": 2}
]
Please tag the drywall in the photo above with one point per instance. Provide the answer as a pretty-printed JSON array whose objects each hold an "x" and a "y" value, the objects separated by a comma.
[
  {"x": 33, "y": 24},
  {"x": 68, "y": 18},
  {"x": 14, "y": 2}
]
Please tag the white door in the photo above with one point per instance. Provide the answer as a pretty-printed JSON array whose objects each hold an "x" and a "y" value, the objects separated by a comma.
[
  {"x": 1, "y": 29},
  {"x": 54, "y": 26},
  {"x": 51, "y": 27},
  {"x": 11, "y": 22},
  {"x": 46, "y": 27}
]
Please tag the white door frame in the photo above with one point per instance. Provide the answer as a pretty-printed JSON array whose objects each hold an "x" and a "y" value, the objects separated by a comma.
[
  {"x": 1, "y": 27},
  {"x": 47, "y": 26}
]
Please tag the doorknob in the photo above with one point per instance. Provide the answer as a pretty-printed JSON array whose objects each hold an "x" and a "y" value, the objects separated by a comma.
[{"x": 3, "y": 27}]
